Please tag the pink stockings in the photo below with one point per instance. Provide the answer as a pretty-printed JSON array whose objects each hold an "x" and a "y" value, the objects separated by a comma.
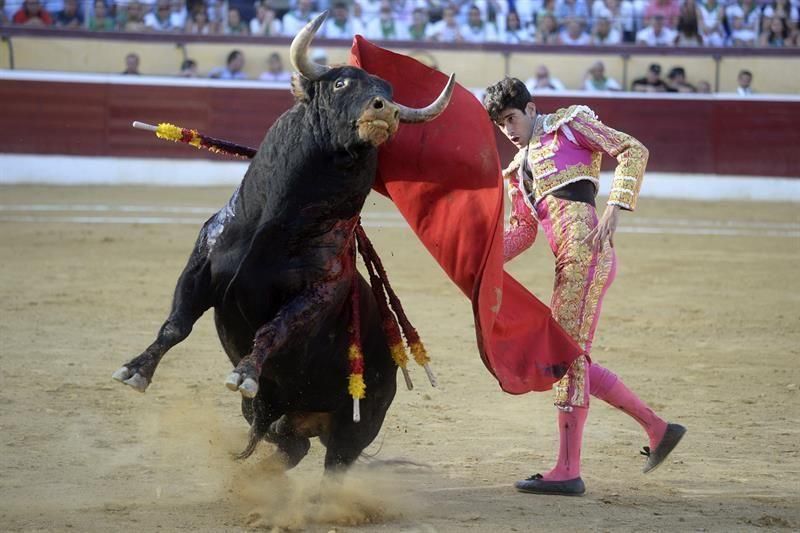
[{"x": 605, "y": 385}]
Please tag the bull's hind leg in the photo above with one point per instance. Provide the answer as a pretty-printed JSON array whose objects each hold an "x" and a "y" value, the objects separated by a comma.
[{"x": 191, "y": 300}]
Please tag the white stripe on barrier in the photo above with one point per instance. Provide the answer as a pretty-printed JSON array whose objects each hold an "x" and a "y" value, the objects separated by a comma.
[{"x": 392, "y": 220}]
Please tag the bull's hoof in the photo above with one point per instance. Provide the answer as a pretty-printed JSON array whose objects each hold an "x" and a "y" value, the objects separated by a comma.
[
  {"x": 247, "y": 386},
  {"x": 135, "y": 381}
]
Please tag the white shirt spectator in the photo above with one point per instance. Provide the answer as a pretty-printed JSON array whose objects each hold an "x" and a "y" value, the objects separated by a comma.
[
  {"x": 608, "y": 84},
  {"x": 520, "y": 36},
  {"x": 612, "y": 37},
  {"x": 582, "y": 39},
  {"x": 381, "y": 29},
  {"x": 621, "y": 17},
  {"x": 751, "y": 19},
  {"x": 294, "y": 21},
  {"x": 666, "y": 37},
  {"x": 486, "y": 33},
  {"x": 331, "y": 30},
  {"x": 544, "y": 86}
]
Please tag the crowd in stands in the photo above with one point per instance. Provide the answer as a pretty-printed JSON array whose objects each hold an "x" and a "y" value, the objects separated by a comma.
[
  {"x": 735, "y": 23},
  {"x": 595, "y": 79}
]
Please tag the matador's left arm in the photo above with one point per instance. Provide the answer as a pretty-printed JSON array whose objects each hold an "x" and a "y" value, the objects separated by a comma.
[{"x": 631, "y": 156}]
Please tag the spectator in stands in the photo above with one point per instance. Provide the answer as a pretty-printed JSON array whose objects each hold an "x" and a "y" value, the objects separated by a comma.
[
  {"x": 620, "y": 14},
  {"x": 676, "y": 81},
  {"x": 709, "y": 16},
  {"x": 543, "y": 82},
  {"x": 741, "y": 36},
  {"x": 199, "y": 24},
  {"x": 265, "y": 23},
  {"x": 32, "y": 14},
  {"x": 131, "y": 65},
  {"x": 573, "y": 35},
  {"x": 275, "y": 70},
  {"x": 703, "y": 87},
  {"x": 178, "y": 14},
  {"x": 70, "y": 16},
  {"x": 4, "y": 20},
  {"x": 597, "y": 81},
  {"x": 235, "y": 24},
  {"x": 358, "y": 20},
  {"x": 385, "y": 26},
  {"x": 338, "y": 26},
  {"x": 748, "y": 11},
  {"x": 477, "y": 30},
  {"x": 514, "y": 32},
  {"x": 785, "y": 9},
  {"x": 569, "y": 10},
  {"x": 189, "y": 69},
  {"x": 548, "y": 7},
  {"x": 603, "y": 33},
  {"x": 547, "y": 32},
  {"x": 159, "y": 18},
  {"x": 294, "y": 20},
  {"x": 370, "y": 9},
  {"x": 447, "y": 30},
  {"x": 669, "y": 9},
  {"x": 233, "y": 69},
  {"x": 776, "y": 35},
  {"x": 100, "y": 21},
  {"x": 418, "y": 29},
  {"x": 656, "y": 33},
  {"x": 133, "y": 17},
  {"x": 744, "y": 81},
  {"x": 651, "y": 82},
  {"x": 493, "y": 12},
  {"x": 688, "y": 34}
]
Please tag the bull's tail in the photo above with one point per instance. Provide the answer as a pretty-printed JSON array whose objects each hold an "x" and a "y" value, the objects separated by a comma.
[{"x": 256, "y": 436}]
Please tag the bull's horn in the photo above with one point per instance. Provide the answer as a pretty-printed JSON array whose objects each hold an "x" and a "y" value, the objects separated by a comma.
[
  {"x": 409, "y": 114},
  {"x": 298, "y": 52}
]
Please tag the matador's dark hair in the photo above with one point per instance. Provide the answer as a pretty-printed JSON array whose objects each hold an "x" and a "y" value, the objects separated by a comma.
[{"x": 508, "y": 92}]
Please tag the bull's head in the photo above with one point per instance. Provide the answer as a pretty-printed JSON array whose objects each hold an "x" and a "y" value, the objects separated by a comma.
[{"x": 363, "y": 100}]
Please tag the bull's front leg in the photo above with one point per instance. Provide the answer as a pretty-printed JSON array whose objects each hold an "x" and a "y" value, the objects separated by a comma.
[
  {"x": 294, "y": 321},
  {"x": 191, "y": 300}
]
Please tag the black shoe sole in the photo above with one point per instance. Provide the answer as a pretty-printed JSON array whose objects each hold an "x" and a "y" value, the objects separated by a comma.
[{"x": 672, "y": 437}]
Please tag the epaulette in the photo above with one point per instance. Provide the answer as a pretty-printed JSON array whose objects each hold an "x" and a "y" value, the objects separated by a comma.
[{"x": 555, "y": 120}]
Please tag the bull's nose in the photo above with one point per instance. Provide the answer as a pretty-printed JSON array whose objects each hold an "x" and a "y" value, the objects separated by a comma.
[{"x": 378, "y": 103}]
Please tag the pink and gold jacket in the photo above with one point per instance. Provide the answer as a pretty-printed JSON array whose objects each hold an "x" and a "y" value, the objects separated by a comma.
[{"x": 568, "y": 148}]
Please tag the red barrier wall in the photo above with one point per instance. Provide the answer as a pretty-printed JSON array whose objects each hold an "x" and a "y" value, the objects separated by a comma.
[{"x": 704, "y": 135}]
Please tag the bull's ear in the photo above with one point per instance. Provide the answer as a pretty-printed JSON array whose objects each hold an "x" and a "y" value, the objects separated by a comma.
[{"x": 301, "y": 87}]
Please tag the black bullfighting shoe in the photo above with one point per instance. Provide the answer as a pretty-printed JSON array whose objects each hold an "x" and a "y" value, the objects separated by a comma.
[
  {"x": 671, "y": 438},
  {"x": 536, "y": 484}
]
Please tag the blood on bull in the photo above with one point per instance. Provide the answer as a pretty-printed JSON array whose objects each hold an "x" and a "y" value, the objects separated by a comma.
[{"x": 277, "y": 265}]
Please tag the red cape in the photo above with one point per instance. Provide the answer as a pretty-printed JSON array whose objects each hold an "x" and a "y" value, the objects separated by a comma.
[{"x": 445, "y": 178}]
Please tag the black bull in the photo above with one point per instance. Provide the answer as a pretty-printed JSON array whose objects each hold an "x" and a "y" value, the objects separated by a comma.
[{"x": 276, "y": 264}]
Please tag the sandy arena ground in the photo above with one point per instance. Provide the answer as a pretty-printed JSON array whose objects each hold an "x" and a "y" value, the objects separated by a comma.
[{"x": 704, "y": 326}]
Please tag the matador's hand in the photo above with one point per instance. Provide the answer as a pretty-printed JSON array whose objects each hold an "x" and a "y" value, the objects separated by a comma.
[{"x": 605, "y": 229}]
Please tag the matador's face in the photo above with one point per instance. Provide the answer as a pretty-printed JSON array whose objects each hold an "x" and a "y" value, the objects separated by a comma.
[{"x": 517, "y": 124}]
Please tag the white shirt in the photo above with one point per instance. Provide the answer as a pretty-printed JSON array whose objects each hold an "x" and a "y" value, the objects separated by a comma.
[
  {"x": 555, "y": 85},
  {"x": 374, "y": 30},
  {"x": 520, "y": 36},
  {"x": 293, "y": 22},
  {"x": 613, "y": 37},
  {"x": 484, "y": 34},
  {"x": 610, "y": 85},
  {"x": 649, "y": 37},
  {"x": 257, "y": 27},
  {"x": 280, "y": 76},
  {"x": 331, "y": 30},
  {"x": 623, "y": 21},
  {"x": 581, "y": 40}
]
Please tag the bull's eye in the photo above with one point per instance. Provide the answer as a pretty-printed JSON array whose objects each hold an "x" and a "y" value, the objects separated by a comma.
[{"x": 341, "y": 83}]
